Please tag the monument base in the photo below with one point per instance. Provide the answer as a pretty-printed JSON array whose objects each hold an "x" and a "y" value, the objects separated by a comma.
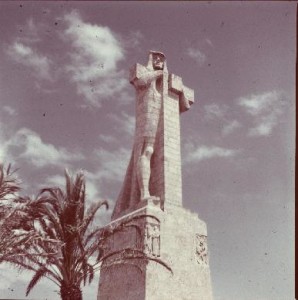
[{"x": 155, "y": 255}]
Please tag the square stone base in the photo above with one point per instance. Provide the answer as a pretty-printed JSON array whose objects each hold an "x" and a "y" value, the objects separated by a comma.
[{"x": 156, "y": 255}]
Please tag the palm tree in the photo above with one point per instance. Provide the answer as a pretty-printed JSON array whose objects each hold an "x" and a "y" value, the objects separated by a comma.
[
  {"x": 20, "y": 230},
  {"x": 18, "y": 217},
  {"x": 71, "y": 261},
  {"x": 9, "y": 186}
]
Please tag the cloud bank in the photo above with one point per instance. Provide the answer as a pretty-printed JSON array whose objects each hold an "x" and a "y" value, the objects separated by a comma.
[
  {"x": 27, "y": 56},
  {"x": 89, "y": 61},
  {"x": 265, "y": 110},
  {"x": 221, "y": 113},
  {"x": 27, "y": 144},
  {"x": 197, "y": 55},
  {"x": 205, "y": 152},
  {"x": 94, "y": 54}
]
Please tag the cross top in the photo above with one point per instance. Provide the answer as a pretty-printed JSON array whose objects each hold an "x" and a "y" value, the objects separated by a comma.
[{"x": 157, "y": 61}]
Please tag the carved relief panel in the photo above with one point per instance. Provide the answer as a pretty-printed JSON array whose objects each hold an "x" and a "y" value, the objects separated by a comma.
[
  {"x": 201, "y": 250},
  {"x": 134, "y": 241},
  {"x": 152, "y": 239},
  {"x": 141, "y": 233}
]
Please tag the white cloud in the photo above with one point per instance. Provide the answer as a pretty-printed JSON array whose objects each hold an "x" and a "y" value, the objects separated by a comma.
[
  {"x": 214, "y": 111},
  {"x": 92, "y": 189},
  {"x": 197, "y": 55},
  {"x": 2, "y": 153},
  {"x": 265, "y": 110},
  {"x": 113, "y": 164},
  {"x": 107, "y": 138},
  {"x": 92, "y": 42},
  {"x": 256, "y": 104},
  {"x": 221, "y": 113},
  {"x": 9, "y": 110},
  {"x": 5, "y": 133},
  {"x": 209, "y": 42},
  {"x": 133, "y": 40},
  {"x": 31, "y": 31},
  {"x": 94, "y": 57},
  {"x": 28, "y": 144},
  {"x": 265, "y": 125},
  {"x": 124, "y": 122},
  {"x": 56, "y": 180},
  {"x": 2, "y": 144},
  {"x": 13, "y": 285},
  {"x": 205, "y": 152},
  {"x": 230, "y": 127},
  {"x": 101, "y": 87},
  {"x": 29, "y": 57}
]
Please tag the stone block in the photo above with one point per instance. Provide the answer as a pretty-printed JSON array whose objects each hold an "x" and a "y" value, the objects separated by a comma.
[
  {"x": 136, "y": 72},
  {"x": 175, "y": 83},
  {"x": 187, "y": 99}
]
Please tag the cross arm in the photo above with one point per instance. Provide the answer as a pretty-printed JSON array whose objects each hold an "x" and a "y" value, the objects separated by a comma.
[{"x": 186, "y": 94}]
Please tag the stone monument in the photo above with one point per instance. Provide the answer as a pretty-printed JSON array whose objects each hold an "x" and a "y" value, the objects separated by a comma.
[{"x": 153, "y": 248}]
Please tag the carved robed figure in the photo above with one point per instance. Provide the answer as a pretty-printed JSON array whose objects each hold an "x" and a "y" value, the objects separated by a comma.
[{"x": 149, "y": 82}]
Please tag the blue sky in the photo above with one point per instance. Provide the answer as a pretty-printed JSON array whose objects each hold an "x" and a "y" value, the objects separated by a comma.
[{"x": 66, "y": 102}]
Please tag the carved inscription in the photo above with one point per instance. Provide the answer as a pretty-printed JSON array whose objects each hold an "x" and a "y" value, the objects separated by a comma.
[{"x": 201, "y": 249}]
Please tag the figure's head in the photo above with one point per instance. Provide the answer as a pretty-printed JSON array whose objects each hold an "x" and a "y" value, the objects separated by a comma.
[{"x": 158, "y": 60}]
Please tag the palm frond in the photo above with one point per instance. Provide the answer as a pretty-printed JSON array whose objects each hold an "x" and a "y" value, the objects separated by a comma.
[
  {"x": 36, "y": 277},
  {"x": 91, "y": 213},
  {"x": 91, "y": 273},
  {"x": 9, "y": 184},
  {"x": 69, "y": 185}
]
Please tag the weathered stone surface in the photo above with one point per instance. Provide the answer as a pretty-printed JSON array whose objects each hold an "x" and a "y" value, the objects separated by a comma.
[
  {"x": 156, "y": 255},
  {"x": 155, "y": 249}
]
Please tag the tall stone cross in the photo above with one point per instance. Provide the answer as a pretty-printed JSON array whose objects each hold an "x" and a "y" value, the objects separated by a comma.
[
  {"x": 154, "y": 171},
  {"x": 153, "y": 248}
]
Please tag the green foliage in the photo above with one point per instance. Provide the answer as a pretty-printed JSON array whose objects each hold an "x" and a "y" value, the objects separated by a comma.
[
  {"x": 63, "y": 244},
  {"x": 10, "y": 242},
  {"x": 9, "y": 185}
]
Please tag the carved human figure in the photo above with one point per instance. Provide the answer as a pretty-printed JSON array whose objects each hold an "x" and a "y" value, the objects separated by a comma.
[
  {"x": 147, "y": 240},
  {"x": 144, "y": 176},
  {"x": 155, "y": 235},
  {"x": 147, "y": 82},
  {"x": 149, "y": 89},
  {"x": 152, "y": 240}
]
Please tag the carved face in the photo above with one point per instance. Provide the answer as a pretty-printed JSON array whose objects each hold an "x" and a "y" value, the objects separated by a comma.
[{"x": 158, "y": 62}]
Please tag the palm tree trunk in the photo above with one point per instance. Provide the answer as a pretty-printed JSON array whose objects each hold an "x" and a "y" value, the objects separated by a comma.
[{"x": 70, "y": 292}]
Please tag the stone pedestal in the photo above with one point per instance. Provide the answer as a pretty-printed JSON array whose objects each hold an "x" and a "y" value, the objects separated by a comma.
[{"x": 156, "y": 255}]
